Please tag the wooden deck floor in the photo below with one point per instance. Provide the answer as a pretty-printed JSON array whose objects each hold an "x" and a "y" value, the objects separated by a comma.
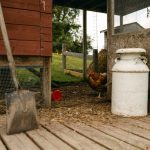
[{"x": 125, "y": 134}]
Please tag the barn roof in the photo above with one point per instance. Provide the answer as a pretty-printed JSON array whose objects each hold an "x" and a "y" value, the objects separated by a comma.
[
  {"x": 128, "y": 27},
  {"x": 122, "y": 7}
]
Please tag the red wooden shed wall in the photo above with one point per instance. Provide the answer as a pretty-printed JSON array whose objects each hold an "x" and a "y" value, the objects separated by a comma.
[{"x": 29, "y": 27}]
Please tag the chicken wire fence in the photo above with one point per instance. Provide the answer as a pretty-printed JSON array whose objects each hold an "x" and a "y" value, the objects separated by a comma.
[
  {"x": 131, "y": 15},
  {"x": 28, "y": 77}
]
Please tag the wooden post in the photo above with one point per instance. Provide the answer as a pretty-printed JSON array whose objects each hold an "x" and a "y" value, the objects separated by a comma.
[
  {"x": 84, "y": 44},
  {"x": 110, "y": 18},
  {"x": 110, "y": 32},
  {"x": 64, "y": 48},
  {"x": 47, "y": 80},
  {"x": 95, "y": 60},
  {"x": 121, "y": 23},
  {"x": 149, "y": 96},
  {"x": 41, "y": 79}
]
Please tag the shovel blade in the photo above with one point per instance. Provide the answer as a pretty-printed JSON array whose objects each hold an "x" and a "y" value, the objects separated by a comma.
[{"x": 21, "y": 111}]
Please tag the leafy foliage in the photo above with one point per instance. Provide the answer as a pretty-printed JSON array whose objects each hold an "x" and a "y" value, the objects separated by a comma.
[
  {"x": 78, "y": 44},
  {"x": 66, "y": 30},
  {"x": 64, "y": 26}
]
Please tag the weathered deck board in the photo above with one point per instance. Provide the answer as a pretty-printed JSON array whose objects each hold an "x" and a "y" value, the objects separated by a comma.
[
  {"x": 2, "y": 146},
  {"x": 47, "y": 141},
  {"x": 133, "y": 129},
  {"x": 101, "y": 138},
  {"x": 122, "y": 135},
  {"x": 73, "y": 138},
  {"x": 144, "y": 119},
  {"x": 138, "y": 123},
  {"x": 19, "y": 142}
]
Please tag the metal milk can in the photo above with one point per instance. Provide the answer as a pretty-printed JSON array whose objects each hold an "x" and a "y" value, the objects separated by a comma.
[{"x": 130, "y": 83}]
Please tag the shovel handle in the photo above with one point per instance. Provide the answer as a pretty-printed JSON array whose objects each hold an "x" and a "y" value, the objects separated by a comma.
[{"x": 8, "y": 48}]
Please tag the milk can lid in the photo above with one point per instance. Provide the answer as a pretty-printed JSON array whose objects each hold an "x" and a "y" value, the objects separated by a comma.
[{"x": 130, "y": 50}]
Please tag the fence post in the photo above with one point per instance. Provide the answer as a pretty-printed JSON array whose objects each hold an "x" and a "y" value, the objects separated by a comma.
[
  {"x": 47, "y": 80},
  {"x": 110, "y": 32},
  {"x": 84, "y": 44},
  {"x": 95, "y": 60},
  {"x": 64, "y": 48}
]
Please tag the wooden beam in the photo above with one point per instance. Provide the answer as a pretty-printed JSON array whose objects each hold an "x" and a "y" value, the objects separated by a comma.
[
  {"x": 73, "y": 73},
  {"x": 79, "y": 55},
  {"x": 110, "y": 18},
  {"x": 22, "y": 61},
  {"x": 95, "y": 60},
  {"x": 100, "y": 7},
  {"x": 84, "y": 44},
  {"x": 110, "y": 32},
  {"x": 121, "y": 23},
  {"x": 34, "y": 71},
  {"x": 91, "y": 5},
  {"x": 121, "y": 17},
  {"x": 46, "y": 88},
  {"x": 130, "y": 6},
  {"x": 64, "y": 48}
]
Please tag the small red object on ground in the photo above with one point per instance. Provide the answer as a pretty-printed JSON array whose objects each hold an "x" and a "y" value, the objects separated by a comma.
[
  {"x": 148, "y": 148},
  {"x": 56, "y": 95}
]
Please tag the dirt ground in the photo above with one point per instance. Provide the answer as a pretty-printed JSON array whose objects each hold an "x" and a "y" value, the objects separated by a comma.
[{"x": 79, "y": 104}]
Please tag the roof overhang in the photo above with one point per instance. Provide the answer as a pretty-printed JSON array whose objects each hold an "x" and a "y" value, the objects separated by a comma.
[
  {"x": 122, "y": 7},
  {"x": 91, "y": 5}
]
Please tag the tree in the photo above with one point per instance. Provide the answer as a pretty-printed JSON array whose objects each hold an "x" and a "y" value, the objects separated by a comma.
[
  {"x": 78, "y": 44},
  {"x": 64, "y": 26},
  {"x": 66, "y": 30}
]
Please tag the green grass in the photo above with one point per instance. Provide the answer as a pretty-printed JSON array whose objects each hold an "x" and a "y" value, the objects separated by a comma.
[
  {"x": 57, "y": 71},
  {"x": 72, "y": 63},
  {"x": 26, "y": 78}
]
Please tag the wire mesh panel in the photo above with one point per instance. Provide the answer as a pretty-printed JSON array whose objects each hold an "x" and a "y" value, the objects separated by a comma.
[
  {"x": 28, "y": 77},
  {"x": 6, "y": 83},
  {"x": 131, "y": 15}
]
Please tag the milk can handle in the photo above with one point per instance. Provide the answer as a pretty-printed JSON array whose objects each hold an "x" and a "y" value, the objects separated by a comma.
[
  {"x": 142, "y": 58},
  {"x": 116, "y": 59}
]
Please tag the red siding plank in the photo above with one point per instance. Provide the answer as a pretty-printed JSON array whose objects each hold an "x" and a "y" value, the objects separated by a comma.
[
  {"x": 31, "y": 48},
  {"x": 48, "y": 6},
  {"x": 22, "y": 32},
  {"x": 47, "y": 31},
  {"x": 46, "y": 38},
  {"x": 46, "y": 34},
  {"x": 46, "y": 48},
  {"x": 46, "y": 20},
  {"x": 22, "y": 4},
  {"x": 29, "y": 5},
  {"x": 24, "y": 17}
]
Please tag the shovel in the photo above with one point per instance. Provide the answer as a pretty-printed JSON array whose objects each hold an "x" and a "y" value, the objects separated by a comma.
[{"x": 21, "y": 106}]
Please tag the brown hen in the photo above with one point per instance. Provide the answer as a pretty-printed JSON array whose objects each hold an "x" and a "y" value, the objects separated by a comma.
[
  {"x": 97, "y": 82},
  {"x": 98, "y": 79}
]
